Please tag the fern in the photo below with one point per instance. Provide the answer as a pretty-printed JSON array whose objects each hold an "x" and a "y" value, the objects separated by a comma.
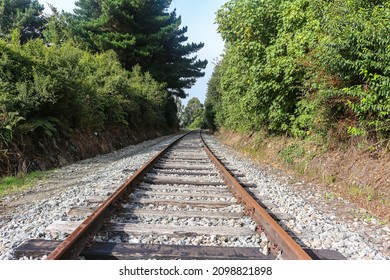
[
  {"x": 46, "y": 124},
  {"x": 9, "y": 121}
]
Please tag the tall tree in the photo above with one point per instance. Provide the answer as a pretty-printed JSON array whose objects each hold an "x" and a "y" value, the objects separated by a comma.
[
  {"x": 24, "y": 15},
  {"x": 56, "y": 30},
  {"x": 213, "y": 98},
  {"x": 193, "y": 111},
  {"x": 141, "y": 32}
]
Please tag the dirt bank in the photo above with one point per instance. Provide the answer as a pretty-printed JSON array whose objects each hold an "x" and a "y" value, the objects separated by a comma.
[
  {"x": 34, "y": 152},
  {"x": 358, "y": 174}
]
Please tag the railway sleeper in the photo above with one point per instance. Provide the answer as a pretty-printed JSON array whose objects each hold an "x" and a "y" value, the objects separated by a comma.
[
  {"x": 183, "y": 167},
  {"x": 183, "y": 195},
  {"x": 38, "y": 249},
  {"x": 86, "y": 211},
  {"x": 164, "y": 180},
  {"x": 181, "y": 188},
  {"x": 184, "y": 173},
  {"x": 67, "y": 227},
  {"x": 171, "y": 202},
  {"x": 136, "y": 213}
]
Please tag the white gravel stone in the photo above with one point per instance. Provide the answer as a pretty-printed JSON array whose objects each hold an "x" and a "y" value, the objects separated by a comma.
[
  {"x": 319, "y": 222},
  {"x": 26, "y": 215}
]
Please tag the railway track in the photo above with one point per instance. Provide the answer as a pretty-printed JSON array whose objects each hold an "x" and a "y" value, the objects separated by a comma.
[{"x": 183, "y": 204}]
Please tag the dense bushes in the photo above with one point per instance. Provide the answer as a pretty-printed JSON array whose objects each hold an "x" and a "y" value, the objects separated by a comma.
[
  {"x": 302, "y": 67},
  {"x": 110, "y": 66},
  {"x": 71, "y": 88},
  {"x": 52, "y": 91}
]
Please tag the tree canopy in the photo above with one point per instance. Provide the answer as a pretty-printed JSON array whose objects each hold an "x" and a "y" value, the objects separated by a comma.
[
  {"x": 112, "y": 64},
  {"x": 193, "y": 114},
  {"x": 301, "y": 67},
  {"x": 24, "y": 15},
  {"x": 142, "y": 33}
]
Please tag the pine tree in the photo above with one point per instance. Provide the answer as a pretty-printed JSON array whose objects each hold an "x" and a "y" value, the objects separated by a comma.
[
  {"x": 24, "y": 15},
  {"x": 141, "y": 32},
  {"x": 57, "y": 29}
]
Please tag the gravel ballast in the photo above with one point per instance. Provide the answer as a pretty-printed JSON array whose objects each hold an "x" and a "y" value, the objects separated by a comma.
[
  {"x": 317, "y": 221},
  {"x": 26, "y": 215}
]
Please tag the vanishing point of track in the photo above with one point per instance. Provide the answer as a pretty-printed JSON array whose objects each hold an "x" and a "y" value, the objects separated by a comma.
[{"x": 184, "y": 181}]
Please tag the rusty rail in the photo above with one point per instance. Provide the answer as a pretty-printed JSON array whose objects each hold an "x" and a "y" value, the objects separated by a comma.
[
  {"x": 74, "y": 244},
  {"x": 275, "y": 233}
]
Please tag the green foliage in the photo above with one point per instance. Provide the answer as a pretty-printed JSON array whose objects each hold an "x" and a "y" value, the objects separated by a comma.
[
  {"x": 193, "y": 115},
  {"x": 46, "y": 124},
  {"x": 260, "y": 80},
  {"x": 156, "y": 97},
  {"x": 197, "y": 123},
  {"x": 172, "y": 112},
  {"x": 355, "y": 47},
  {"x": 213, "y": 99},
  {"x": 141, "y": 33},
  {"x": 26, "y": 16},
  {"x": 56, "y": 30},
  {"x": 292, "y": 153},
  {"x": 303, "y": 67},
  {"x": 179, "y": 107},
  {"x": 8, "y": 122},
  {"x": 68, "y": 88}
]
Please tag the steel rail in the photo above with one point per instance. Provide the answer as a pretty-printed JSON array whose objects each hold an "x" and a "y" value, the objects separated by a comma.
[
  {"x": 275, "y": 233},
  {"x": 75, "y": 243}
]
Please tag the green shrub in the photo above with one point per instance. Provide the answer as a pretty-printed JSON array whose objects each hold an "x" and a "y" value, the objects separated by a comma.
[{"x": 302, "y": 67}]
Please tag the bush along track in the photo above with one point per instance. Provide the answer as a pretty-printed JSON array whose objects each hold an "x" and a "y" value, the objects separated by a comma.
[
  {"x": 67, "y": 79},
  {"x": 307, "y": 85}
]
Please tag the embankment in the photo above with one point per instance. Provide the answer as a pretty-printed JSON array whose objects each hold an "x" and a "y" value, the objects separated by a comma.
[
  {"x": 359, "y": 174},
  {"x": 35, "y": 152}
]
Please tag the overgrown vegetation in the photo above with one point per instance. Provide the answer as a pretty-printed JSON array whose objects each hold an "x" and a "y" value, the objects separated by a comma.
[
  {"x": 25, "y": 16},
  {"x": 304, "y": 68},
  {"x": 111, "y": 64},
  {"x": 193, "y": 115},
  {"x": 311, "y": 79},
  {"x": 141, "y": 33},
  {"x": 64, "y": 87}
]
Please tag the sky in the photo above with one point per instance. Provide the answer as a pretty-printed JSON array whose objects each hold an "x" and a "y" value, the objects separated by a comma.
[{"x": 199, "y": 17}]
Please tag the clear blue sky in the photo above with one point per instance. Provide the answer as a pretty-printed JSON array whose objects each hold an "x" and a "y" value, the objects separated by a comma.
[{"x": 199, "y": 16}]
